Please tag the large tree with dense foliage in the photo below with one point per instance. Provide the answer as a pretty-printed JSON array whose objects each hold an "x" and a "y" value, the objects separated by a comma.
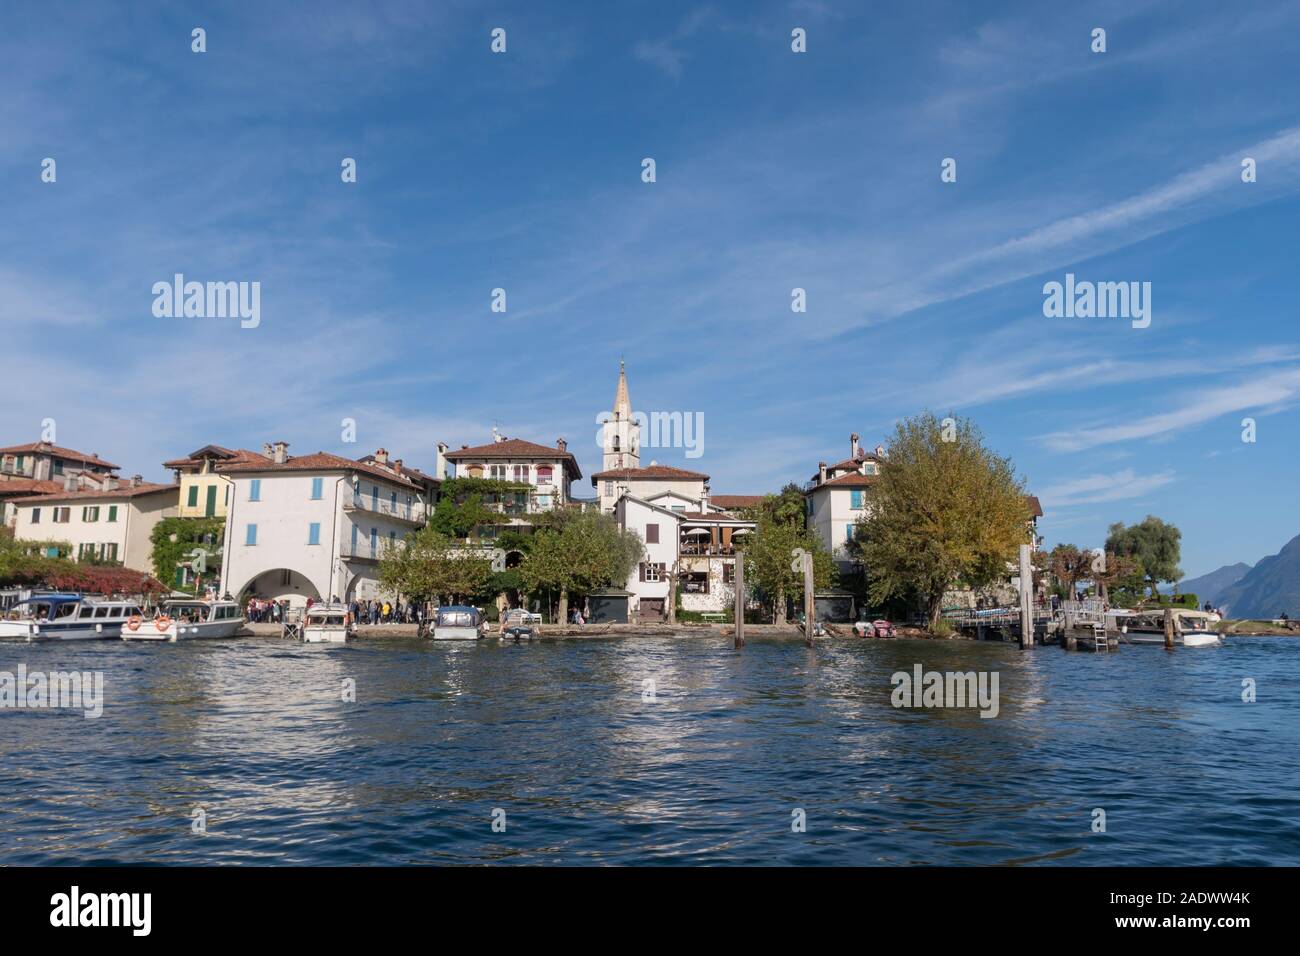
[
  {"x": 1155, "y": 545},
  {"x": 1070, "y": 564},
  {"x": 944, "y": 510},
  {"x": 769, "y": 557},
  {"x": 579, "y": 551},
  {"x": 467, "y": 504},
  {"x": 429, "y": 565}
]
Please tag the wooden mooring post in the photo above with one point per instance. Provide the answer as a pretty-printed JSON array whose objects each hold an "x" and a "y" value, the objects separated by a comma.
[
  {"x": 1026, "y": 597},
  {"x": 1169, "y": 628},
  {"x": 740, "y": 599},
  {"x": 809, "y": 602}
]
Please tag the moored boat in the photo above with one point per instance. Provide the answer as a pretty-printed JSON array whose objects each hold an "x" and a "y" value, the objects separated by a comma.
[
  {"x": 325, "y": 624},
  {"x": 181, "y": 620},
  {"x": 1191, "y": 628},
  {"x": 67, "y": 617},
  {"x": 457, "y": 623}
]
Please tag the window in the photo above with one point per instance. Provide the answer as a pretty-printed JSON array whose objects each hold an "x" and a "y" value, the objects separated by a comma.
[
  {"x": 543, "y": 474},
  {"x": 609, "y": 488},
  {"x": 250, "y": 535},
  {"x": 374, "y": 541},
  {"x": 313, "y": 533},
  {"x": 22, "y": 463},
  {"x": 652, "y": 572},
  {"x": 62, "y": 515},
  {"x": 101, "y": 612},
  {"x": 36, "y": 516},
  {"x": 652, "y": 534},
  {"x": 729, "y": 573},
  {"x": 521, "y": 473},
  {"x": 193, "y": 500},
  {"x": 255, "y": 490},
  {"x": 85, "y": 613},
  {"x": 355, "y": 529},
  {"x": 679, "y": 508},
  {"x": 58, "y": 466},
  {"x": 857, "y": 499},
  {"x": 498, "y": 471},
  {"x": 90, "y": 513},
  {"x": 110, "y": 551},
  {"x": 112, "y": 514},
  {"x": 317, "y": 488}
]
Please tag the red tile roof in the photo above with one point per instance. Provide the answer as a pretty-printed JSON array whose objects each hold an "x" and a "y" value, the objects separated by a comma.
[
  {"x": 648, "y": 472},
  {"x": 43, "y": 448},
  {"x": 124, "y": 490},
  {"x": 853, "y": 480},
  {"x": 516, "y": 448},
  {"x": 319, "y": 461},
  {"x": 29, "y": 486},
  {"x": 727, "y": 502},
  {"x": 1035, "y": 508},
  {"x": 213, "y": 451}
]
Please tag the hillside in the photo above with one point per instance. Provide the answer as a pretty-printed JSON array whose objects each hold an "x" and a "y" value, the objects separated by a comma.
[
  {"x": 1269, "y": 588},
  {"x": 1210, "y": 587}
]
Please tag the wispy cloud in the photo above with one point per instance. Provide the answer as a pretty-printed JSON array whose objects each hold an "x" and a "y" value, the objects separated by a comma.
[{"x": 1094, "y": 489}]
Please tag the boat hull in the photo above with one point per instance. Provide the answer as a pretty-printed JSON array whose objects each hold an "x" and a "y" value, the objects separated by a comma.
[
  {"x": 1180, "y": 640},
  {"x": 72, "y": 632},
  {"x": 183, "y": 632},
  {"x": 324, "y": 635},
  {"x": 445, "y": 633}
]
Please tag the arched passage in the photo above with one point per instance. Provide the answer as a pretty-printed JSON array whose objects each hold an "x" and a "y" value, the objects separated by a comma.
[{"x": 280, "y": 584}]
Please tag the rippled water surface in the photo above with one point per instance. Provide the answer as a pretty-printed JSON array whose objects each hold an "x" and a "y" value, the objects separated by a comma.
[{"x": 557, "y": 734}]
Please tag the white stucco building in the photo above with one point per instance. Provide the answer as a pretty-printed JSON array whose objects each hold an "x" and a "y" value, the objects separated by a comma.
[
  {"x": 836, "y": 498},
  {"x": 110, "y": 521},
  {"x": 548, "y": 471},
  {"x": 314, "y": 526}
]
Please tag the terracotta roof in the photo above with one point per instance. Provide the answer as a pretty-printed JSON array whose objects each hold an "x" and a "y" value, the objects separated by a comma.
[
  {"x": 29, "y": 486},
  {"x": 124, "y": 490},
  {"x": 516, "y": 448},
  {"x": 406, "y": 469},
  {"x": 43, "y": 448},
  {"x": 727, "y": 502},
  {"x": 213, "y": 451},
  {"x": 849, "y": 464},
  {"x": 1035, "y": 508},
  {"x": 844, "y": 481},
  {"x": 648, "y": 472},
  {"x": 320, "y": 461}
]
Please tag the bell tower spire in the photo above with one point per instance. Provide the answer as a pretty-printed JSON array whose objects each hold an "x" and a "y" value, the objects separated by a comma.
[{"x": 622, "y": 435}]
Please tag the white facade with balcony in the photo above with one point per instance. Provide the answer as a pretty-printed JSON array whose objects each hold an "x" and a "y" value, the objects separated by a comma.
[{"x": 314, "y": 527}]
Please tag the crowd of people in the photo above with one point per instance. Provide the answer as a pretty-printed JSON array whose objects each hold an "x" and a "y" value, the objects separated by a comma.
[{"x": 387, "y": 612}]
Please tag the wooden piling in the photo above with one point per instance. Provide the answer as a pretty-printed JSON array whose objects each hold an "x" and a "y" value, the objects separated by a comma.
[
  {"x": 809, "y": 603},
  {"x": 740, "y": 600},
  {"x": 1169, "y": 628},
  {"x": 1026, "y": 596}
]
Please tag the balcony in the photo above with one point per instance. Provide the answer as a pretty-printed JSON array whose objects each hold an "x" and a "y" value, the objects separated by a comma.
[
  {"x": 415, "y": 513},
  {"x": 363, "y": 551}
]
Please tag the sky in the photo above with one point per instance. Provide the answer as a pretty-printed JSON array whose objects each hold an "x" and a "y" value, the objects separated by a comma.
[{"x": 774, "y": 170}]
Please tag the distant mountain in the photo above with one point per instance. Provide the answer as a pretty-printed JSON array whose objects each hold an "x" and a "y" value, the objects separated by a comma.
[
  {"x": 1267, "y": 589},
  {"x": 1210, "y": 587}
]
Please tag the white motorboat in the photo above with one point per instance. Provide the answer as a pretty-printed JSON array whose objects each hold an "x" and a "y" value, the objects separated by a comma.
[
  {"x": 457, "y": 623},
  {"x": 181, "y": 620},
  {"x": 1191, "y": 628},
  {"x": 67, "y": 617},
  {"x": 520, "y": 625},
  {"x": 325, "y": 624}
]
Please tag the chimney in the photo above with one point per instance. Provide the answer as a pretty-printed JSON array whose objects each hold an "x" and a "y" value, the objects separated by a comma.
[
  {"x": 70, "y": 482},
  {"x": 381, "y": 456},
  {"x": 397, "y": 466},
  {"x": 280, "y": 452},
  {"x": 266, "y": 449},
  {"x": 562, "y": 445},
  {"x": 853, "y": 446},
  {"x": 440, "y": 465},
  {"x": 821, "y": 472},
  {"x": 110, "y": 482},
  {"x": 704, "y": 500},
  {"x": 880, "y": 451},
  {"x": 137, "y": 481}
]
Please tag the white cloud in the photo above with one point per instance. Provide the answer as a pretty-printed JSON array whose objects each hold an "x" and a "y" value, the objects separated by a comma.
[{"x": 1094, "y": 489}]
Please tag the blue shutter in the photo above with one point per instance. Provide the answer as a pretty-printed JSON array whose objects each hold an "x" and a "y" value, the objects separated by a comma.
[
  {"x": 313, "y": 533},
  {"x": 250, "y": 535},
  {"x": 316, "y": 488},
  {"x": 848, "y": 532},
  {"x": 857, "y": 498},
  {"x": 255, "y": 490}
]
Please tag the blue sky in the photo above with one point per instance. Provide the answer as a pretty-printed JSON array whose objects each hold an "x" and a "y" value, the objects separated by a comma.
[{"x": 774, "y": 171}]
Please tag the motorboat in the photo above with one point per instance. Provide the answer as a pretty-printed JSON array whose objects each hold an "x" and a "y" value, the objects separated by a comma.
[
  {"x": 457, "y": 623},
  {"x": 325, "y": 624},
  {"x": 520, "y": 625},
  {"x": 877, "y": 628},
  {"x": 67, "y": 617},
  {"x": 184, "y": 620},
  {"x": 1191, "y": 628}
]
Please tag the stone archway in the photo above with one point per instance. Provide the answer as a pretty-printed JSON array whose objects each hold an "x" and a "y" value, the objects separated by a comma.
[{"x": 280, "y": 584}]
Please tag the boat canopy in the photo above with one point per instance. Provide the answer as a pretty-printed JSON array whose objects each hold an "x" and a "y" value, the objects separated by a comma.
[
  {"x": 458, "y": 615},
  {"x": 50, "y": 599}
]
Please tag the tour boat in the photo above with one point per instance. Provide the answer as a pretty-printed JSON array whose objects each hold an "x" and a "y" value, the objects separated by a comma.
[
  {"x": 181, "y": 620},
  {"x": 457, "y": 623},
  {"x": 325, "y": 624},
  {"x": 67, "y": 617},
  {"x": 1191, "y": 628}
]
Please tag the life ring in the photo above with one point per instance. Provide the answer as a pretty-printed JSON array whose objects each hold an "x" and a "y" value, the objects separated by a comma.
[
  {"x": 162, "y": 623},
  {"x": 133, "y": 623}
]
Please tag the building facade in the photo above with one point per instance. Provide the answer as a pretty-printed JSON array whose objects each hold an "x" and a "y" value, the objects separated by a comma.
[
  {"x": 547, "y": 471},
  {"x": 109, "y": 522},
  {"x": 203, "y": 493},
  {"x": 315, "y": 526},
  {"x": 41, "y": 461},
  {"x": 836, "y": 497}
]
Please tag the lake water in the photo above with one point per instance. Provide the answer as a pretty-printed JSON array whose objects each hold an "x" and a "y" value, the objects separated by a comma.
[{"x": 557, "y": 735}]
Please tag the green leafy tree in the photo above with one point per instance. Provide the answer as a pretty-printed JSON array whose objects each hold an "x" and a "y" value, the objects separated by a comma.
[
  {"x": 769, "y": 557},
  {"x": 1069, "y": 565},
  {"x": 944, "y": 510},
  {"x": 1154, "y": 545},
  {"x": 466, "y": 505},
  {"x": 174, "y": 538},
  {"x": 428, "y": 565},
  {"x": 574, "y": 552}
]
